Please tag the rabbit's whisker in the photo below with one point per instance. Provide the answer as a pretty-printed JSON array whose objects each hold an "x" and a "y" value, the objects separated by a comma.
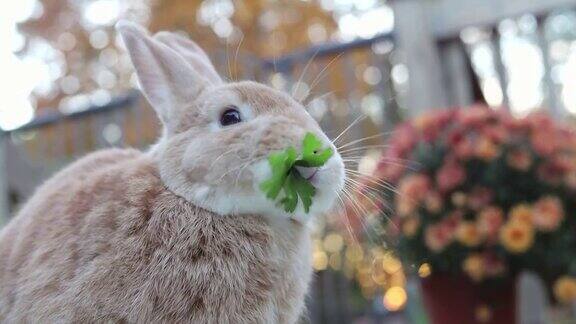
[
  {"x": 320, "y": 97},
  {"x": 236, "y": 169},
  {"x": 357, "y": 120},
  {"x": 360, "y": 211},
  {"x": 363, "y": 139},
  {"x": 236, "y": 55},
  {"x": 347, "y": 220},
  {"x": 323, "y": 73},
  {"x": 362, "y": 148},
  {"x": 302, "y": 74}
]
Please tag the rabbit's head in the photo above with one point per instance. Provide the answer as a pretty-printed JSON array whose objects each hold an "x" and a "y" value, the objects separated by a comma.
[{"x": 218, "y": 135}]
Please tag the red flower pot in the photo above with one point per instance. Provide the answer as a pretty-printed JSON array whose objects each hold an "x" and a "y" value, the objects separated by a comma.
[{"x": 457, "y": 300}]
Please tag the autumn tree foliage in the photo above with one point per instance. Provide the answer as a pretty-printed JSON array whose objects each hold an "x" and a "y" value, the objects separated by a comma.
[{"x": 77, "y": 46}]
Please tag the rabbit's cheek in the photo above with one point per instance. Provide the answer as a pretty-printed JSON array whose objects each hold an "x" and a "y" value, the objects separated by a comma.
[
  {"x": 330, "y": 176},
  {"x": 261, "y": 171}
]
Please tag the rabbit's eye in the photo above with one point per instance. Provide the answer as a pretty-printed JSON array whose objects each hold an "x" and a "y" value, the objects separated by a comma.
[{"x": 230, "y": 116}]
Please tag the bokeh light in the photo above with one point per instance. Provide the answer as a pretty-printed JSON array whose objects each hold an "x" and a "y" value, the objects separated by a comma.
[{"x": 395, "y": 299}]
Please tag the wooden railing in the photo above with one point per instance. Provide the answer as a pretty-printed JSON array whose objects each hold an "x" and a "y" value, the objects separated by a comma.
[
  {"x": 336, "y": 72},
  {"x": 429, "y": 36}
]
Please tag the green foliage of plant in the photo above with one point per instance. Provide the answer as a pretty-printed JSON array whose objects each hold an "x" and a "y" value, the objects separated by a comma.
[{"x": 286, "y": 178}]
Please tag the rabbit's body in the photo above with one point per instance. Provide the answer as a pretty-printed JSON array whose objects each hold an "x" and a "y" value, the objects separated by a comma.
[
  {"x": 183, "y": 232},
  {"x": 104, "y": 240}
]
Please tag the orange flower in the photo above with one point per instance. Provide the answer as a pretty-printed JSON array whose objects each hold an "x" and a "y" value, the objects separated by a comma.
[
  {"x": 469, "y": 234},
  {"x": 489, "y": 221},
  {"x": 423, "y": 121},
  {"x": 474, "y": 267},
  {"x": 486, "y": 149},
  {"x": 571, "y": 180},
  {"x": 548, "y": 213},
  {"x": 522, "y": 213},
  {"x": 459, "y": 199},
  {"x": 437, "y": 237},
  {"x": 519, "y": 159},
  {"x": 479, "y": 266},
  {"x": 565, "y": 289},
  {"x": 517, "y": 237},
  {"x": 410, "y": 226},
  {"x": 405, "y": 206},
  {"x": 434, "y": 202},
  {"x": 483, "y": 314}
]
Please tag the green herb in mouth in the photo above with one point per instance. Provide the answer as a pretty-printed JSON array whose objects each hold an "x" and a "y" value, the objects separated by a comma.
[{"x": 285, "y": 177}]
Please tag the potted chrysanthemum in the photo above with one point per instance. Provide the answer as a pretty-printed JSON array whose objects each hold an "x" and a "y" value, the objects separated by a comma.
[{"x": 481, "y": 196}]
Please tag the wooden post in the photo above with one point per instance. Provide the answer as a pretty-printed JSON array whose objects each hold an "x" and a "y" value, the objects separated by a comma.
[
  {"x": 419, "y": 51},
  {"x": 457, "y": 75},
  {"x": 552, "y": 100},
  {"x": 4, "y": 197}
]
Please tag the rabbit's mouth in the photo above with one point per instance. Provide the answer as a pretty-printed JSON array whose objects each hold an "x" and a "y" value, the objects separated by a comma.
[{"x": 307, "y": 173}]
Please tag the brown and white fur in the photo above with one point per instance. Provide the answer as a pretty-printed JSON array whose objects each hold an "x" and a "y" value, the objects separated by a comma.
[{"x": 180, "y": 233}]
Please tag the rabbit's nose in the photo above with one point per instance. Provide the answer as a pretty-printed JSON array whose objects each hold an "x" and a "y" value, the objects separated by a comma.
[{"x": 307, "y": 173}]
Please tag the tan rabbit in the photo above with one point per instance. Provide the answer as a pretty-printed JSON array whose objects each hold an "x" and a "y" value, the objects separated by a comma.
[{"x": 181, "y": 233}]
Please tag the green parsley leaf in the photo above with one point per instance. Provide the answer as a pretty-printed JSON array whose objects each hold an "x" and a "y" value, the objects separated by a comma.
[
  {"x": 305, "y": 190},
  {"x": 280, "y": 163},
  {"x": 286, "y": 178},
  {"x": 312, "y": 155}
]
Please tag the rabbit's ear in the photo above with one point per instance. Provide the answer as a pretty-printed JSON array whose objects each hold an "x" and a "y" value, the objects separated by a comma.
[
  {"x": 166, "y": 79},
  {"x": 194, "y": 54}
]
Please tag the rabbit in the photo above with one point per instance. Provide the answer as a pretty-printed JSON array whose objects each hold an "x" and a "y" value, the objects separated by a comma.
[{"x": 179, "y": 233}]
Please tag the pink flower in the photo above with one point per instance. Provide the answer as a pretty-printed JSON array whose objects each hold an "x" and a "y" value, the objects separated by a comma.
[
  {"x": 539, "y": 121},
  {"x": 450, "y": 175},
  {"x": 436, "y": 237},
  {"x": 548, "y": 213},
  {"x": 490, "y": 220},
  {"x": 496, "y": 133},
  {"x": 415, "y": 186},
  {"x": 464, "y": 149},
  {"x": 434, "y": 122},
  {"x": 405, "y": 138},
  {"x": 515, "y": 124},
  {"x": 551, "y": 172},
  {"x": 544, "y": 141},
  {"x": 474, "y": 116},
  {"x": 412, "y": 190},
  {"x": 388, "y": 169},
  {"x": 451, "y": 222}
]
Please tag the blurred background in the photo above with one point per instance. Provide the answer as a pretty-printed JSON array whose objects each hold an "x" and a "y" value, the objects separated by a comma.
[{"x": 68, "y": 89}]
